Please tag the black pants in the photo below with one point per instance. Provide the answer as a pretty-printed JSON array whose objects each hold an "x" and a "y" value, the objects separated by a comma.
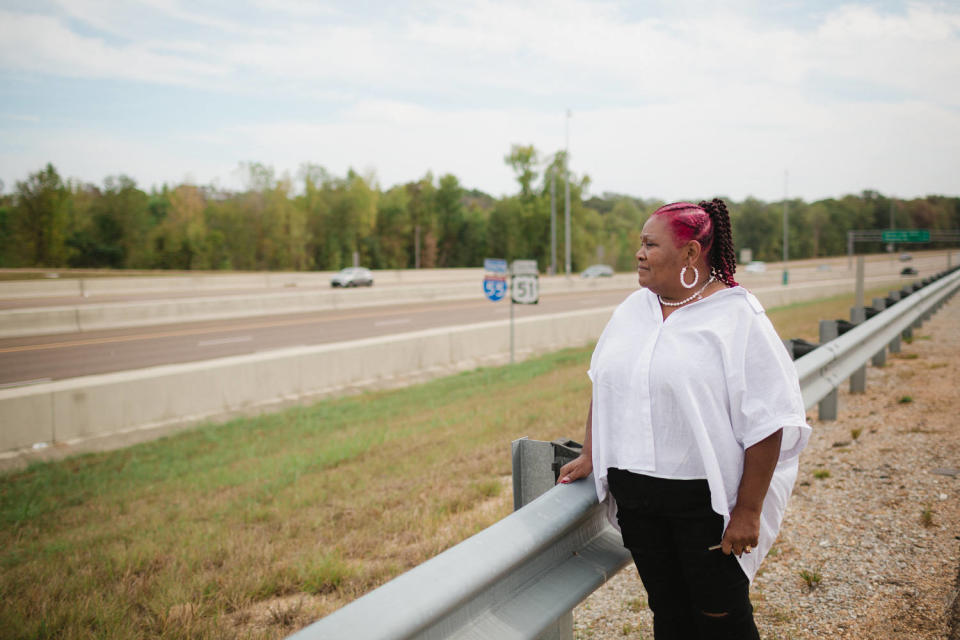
[{"x": 667, "y": 526}]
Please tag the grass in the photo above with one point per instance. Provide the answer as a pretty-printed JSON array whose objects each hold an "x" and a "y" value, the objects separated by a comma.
[
  {"x": 821, "y": 474},
  {"x": 292, "y": 514},
  {"x": 855, "y": 433},
  {"x": 905, "y": 400},
  {"x": 811, "y": 578},
  {"x": 802, "y": 320},
  {"x": 926, "y": 516},
  {"x": 328, "y": 501}
]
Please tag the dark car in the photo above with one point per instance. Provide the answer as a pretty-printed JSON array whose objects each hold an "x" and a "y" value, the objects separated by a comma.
[
  {"x": 352, "y": 277},
  {"x": 908, "y": 271},
  {"x": 597, "y": 271}
]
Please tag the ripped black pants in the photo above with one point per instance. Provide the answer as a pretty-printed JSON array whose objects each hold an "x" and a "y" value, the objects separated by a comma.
[{"x": 667, "y": 526}]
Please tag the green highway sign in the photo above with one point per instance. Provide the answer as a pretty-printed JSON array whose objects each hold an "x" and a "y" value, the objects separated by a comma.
[{"x": 906, "y": 235}]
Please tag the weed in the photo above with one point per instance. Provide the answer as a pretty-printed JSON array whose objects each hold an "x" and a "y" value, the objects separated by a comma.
[
  {"x": 821, "y": 474},
  {"x": 855, "y": 433},
  {"x": 811, "y": 578},
  {"x": 909, "y": 356},
  {"x": 905, "y": 400},
  {"x": 626, "y": 629},
  {"x": 908, "y": 339},
  {"x": 488, "y": 488},
  {"x": 926, "y": 516},
  {"x": 324, "y": 574},
  {"x": 636, "y": 605}
]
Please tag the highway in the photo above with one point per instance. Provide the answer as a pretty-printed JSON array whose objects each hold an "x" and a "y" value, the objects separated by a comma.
[{"x": 34, "y": 359}]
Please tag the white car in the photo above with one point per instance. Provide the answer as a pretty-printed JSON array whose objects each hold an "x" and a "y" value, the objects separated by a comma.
[
  {"x": 597, "y": 271},
  {"x": 756, "y": 266},
  {"x": 352, "y": 277}
]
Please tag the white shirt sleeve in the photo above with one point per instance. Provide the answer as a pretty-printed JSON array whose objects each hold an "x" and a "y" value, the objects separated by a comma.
[{"x": 765, "y": 392}]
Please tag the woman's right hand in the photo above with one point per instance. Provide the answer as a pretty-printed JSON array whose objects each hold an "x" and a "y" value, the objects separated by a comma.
[{"x": 579, "y": 467}]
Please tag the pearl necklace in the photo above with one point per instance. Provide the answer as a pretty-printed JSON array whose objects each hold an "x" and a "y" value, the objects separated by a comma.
[{"x": 685, "y": 301}]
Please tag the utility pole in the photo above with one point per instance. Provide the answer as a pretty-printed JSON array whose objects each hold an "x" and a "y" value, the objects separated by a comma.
[
  {"x": 553, "y": 219},
  {"x": 892, "y": 246},
  {"x": 566, "y": 189},
  {"x": 786, "y": 252}
]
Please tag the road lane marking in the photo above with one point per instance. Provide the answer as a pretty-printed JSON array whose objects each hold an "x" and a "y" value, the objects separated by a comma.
[
  {"x": 23, "y": 383},
  {"x": 211, "y": 343}
]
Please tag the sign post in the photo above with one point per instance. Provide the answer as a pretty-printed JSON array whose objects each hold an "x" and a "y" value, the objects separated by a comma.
[
  {"x": 524, "y": 289},
  {"x": 524, "y": 285}
]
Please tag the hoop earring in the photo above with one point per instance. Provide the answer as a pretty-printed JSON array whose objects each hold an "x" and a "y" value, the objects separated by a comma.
[{"x": 696, "y": 278}]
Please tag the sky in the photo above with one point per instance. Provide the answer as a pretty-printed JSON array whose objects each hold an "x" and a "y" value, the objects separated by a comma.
[{"x": 668, "y": 99}]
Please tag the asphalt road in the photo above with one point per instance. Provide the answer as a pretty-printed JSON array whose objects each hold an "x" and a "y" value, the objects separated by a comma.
[{"x": 34, "y": 359}]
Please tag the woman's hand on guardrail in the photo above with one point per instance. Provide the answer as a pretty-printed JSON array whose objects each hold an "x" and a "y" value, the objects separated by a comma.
[{"x": 579, "y": 467}]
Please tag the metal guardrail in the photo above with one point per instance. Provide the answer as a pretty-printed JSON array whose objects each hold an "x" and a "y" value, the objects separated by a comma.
[
  {"x": 516, "y": 578},
  {"x": 512, "y": 580},
  {"x": 824, "y": 369}
]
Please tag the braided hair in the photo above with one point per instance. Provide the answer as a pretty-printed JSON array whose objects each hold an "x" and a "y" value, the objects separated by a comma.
[
  {"x": 709, "y": 224},
  {"x": 723, "y": 261}
]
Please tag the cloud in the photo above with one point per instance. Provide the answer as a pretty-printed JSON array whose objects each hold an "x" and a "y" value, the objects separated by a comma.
[
  {"x": 33, "y": 43},
  {"x": 680, "y": 97}
]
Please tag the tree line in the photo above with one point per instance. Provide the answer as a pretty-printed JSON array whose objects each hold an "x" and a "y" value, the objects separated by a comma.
[{"x": 320, "y": 221}]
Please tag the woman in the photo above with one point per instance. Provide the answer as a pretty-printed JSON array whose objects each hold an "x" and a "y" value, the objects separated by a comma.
[{"x": 695, "y": 426}]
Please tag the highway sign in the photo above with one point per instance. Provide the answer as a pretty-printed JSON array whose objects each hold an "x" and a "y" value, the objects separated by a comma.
[
  {"x": 525, "y": 289},
  {"x": 495, "y": 265},
  {"x": 495, "y": 278},
  {"x": 494, "y": 287},
  {"x": 524, "y": 267},
  {"x": 906, "y": 235}
]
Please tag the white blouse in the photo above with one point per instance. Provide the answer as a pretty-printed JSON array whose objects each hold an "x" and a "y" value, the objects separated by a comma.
[{"x": 684, "y": 397}]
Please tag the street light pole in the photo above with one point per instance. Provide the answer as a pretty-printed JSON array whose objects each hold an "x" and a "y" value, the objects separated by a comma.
[
  {"x": 553, "y": 219},
  {"x": 566, "y": 190},
  {"x": 786, "y": 252}
]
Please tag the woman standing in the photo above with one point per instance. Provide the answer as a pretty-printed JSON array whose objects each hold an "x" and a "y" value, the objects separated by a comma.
[{"x": 695, "y": 426}]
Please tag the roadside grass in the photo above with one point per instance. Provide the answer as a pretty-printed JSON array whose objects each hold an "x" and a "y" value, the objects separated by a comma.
[
  {"x": 187, "y": 535},
  {"x": 329, "y": 500},
  {"x": 802, "y": 320}
]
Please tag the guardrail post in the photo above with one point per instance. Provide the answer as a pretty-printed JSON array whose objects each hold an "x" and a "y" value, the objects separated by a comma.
[
  {"x": 858, "y": 381},
  {"x": 827, "y": 408},
  {"x": 895, "y": 343},
  {"x": 880, "y": 358},
  {"x": 535, "y": 465},
  {"x": 532, "y": 470}
]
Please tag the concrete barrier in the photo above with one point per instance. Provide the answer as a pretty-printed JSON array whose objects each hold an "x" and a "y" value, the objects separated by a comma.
[
  {"x": 197, "y": 282},
  {"x": 115, "y": 315},
  {"x": 115, "y": 409}
]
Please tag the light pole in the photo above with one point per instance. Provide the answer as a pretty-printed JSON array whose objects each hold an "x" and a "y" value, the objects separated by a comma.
[
  {"x": 553, "y": 219},
  {"x": 566, "y": 192},
  {"x": 786, "y": 252}
]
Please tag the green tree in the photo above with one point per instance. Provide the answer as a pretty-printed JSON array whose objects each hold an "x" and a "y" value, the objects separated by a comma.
[
  {"x": 179, "y": 241},
  {"x": 523, "y": 160},
  {"x": 450, "y": 221},
  {"x": 393, "y": 230},
  {"x": 39, "y": 219},
  {"x": 423, "y": 217}
]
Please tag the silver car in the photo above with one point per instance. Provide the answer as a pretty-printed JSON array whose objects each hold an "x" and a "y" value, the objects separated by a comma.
[
  {"x": 352, "y": 277},
  {"x": 597, "y": 271}
]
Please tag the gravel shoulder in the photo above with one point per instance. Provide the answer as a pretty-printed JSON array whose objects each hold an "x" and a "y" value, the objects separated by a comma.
[{"x": 869, "y": 545}]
